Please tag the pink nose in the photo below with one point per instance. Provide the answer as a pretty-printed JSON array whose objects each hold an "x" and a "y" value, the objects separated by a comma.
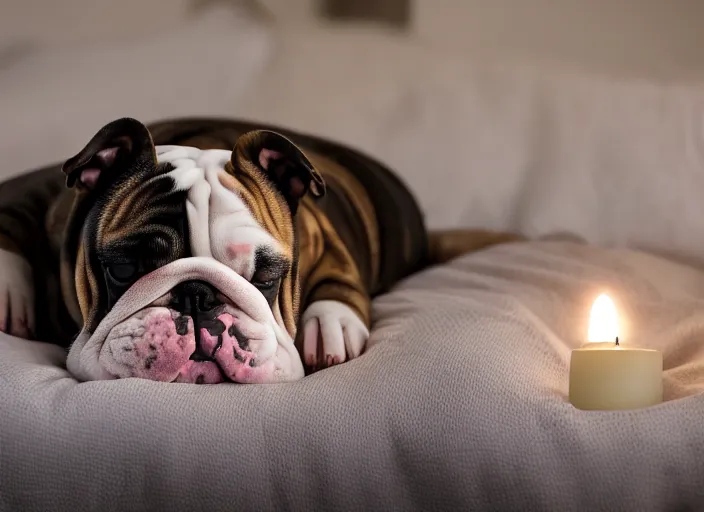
[{"x": 235, "y": 250}]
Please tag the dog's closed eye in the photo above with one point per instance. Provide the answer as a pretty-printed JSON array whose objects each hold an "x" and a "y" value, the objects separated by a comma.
[
  {"x": 122, "y": 272},
  {"x": 263, "y": 283}
]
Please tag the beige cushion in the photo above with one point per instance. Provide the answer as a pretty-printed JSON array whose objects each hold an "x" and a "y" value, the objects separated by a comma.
[{"x": 460, "y": 403}]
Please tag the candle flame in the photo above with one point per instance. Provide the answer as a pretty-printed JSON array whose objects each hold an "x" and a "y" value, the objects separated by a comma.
[{"x": 603, "y": 321}]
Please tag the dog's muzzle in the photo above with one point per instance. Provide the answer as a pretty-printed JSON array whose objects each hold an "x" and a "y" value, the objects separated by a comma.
[{"x": 193, "y": 320}]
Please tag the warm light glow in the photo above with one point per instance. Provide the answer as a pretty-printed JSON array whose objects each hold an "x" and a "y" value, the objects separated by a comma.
[{"x": 603, "y": 321}]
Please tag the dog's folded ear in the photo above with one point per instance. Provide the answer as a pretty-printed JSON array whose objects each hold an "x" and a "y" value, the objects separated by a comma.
[
  {"x": 263, "y": 154},
  {"x": 120, "y": 145}
]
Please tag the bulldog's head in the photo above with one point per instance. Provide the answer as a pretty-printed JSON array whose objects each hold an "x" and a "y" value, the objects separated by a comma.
[{"x": 184, "y": 261}]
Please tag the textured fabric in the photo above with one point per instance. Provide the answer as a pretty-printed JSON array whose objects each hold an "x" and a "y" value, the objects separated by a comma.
[{"x": 460, "y": 402}]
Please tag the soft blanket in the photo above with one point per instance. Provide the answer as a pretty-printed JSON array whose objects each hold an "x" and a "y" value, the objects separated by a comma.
[{"x": 459, "y": 403}]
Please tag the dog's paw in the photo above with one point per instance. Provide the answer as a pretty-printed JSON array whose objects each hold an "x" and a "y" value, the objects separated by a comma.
[
  {"x": 332, "y": 333},
  {"x": 16, "y": 295}
]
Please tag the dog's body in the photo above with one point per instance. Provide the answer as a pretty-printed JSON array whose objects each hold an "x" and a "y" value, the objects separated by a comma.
[{"x": 173, "y": 257}]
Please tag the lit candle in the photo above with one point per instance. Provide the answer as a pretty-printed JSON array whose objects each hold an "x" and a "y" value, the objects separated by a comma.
[{"x": 606, "y": 374}]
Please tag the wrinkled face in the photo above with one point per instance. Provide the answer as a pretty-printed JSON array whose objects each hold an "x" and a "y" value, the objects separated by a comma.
[{"x": 185, "y": 267}]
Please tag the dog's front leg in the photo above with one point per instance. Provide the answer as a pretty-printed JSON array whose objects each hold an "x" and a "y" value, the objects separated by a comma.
[
  {"x": 337, "y": 308},
  {"x": 25, "y": 251}
]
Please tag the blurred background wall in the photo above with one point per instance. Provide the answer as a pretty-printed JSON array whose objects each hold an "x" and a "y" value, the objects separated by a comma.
[
  {"x": 418, "y": 84},
  {"x": 637, "y": 37},
  {"x": 662, "y": 37}
]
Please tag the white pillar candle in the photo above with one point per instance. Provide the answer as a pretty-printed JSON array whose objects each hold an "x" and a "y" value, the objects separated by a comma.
[{"x": 607, "y": 374}]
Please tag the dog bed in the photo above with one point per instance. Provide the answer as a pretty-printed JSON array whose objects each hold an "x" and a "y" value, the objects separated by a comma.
[{"x": 459, "y": 403}]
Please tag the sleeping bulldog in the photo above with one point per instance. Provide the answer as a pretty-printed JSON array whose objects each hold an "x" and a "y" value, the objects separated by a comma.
[{"x": 206, "y": 251}]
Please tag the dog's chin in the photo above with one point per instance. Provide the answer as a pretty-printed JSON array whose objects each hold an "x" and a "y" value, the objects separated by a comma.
[{"x": 159, "y": 343}]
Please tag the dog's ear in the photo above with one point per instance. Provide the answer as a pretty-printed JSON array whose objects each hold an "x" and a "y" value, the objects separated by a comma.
[
  {"x": 120, "y": 145},
  {"x": 266, "y": 154}
]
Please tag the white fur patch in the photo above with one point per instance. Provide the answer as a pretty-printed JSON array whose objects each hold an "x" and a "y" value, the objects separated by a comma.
[
  {"x": 221, "y": 226},
  {"x": 343, "y": 333}
]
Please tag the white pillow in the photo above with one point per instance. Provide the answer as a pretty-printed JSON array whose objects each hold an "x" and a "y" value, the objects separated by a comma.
[{"x": 54, "y": 99}]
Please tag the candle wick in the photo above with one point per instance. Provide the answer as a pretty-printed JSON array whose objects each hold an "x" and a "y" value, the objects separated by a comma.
[{"x": 617, "y": 344}]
